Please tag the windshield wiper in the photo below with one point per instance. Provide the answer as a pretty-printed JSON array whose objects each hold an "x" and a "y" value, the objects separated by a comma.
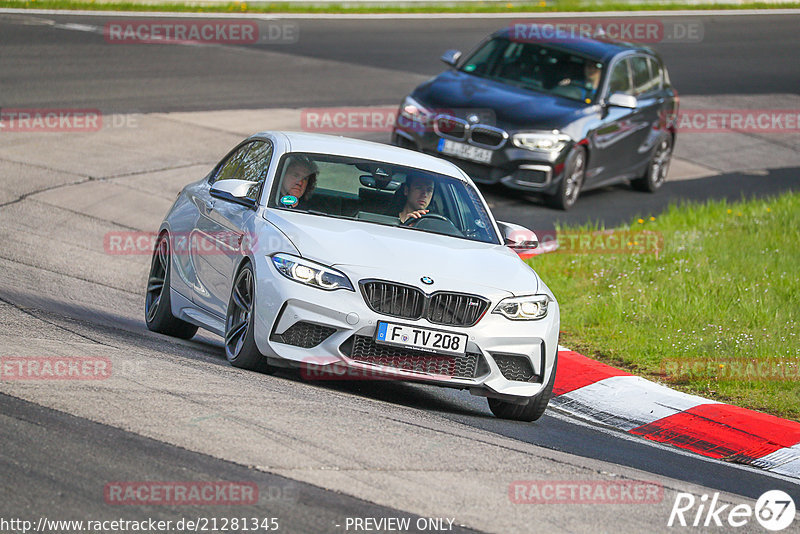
[{"x": 324, "y": 214}]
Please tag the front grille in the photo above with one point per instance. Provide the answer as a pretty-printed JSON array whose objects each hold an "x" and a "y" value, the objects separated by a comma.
[
  {"x": 407, "y": 302},
  {"x": 447, "y": 126},
  {"x": 489, "y": 137},
  {"x": 394, "y": 299},
  {"x": 515, "y": 367},
  {"x": 303, "y": 334},
  {"x": 455, "y": 309},
  {"x": 364, "y": 349}
]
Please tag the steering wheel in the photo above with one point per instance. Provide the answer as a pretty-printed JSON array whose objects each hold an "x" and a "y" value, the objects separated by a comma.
[
  {"x": 436, "y": 223},
  {"x": 413, "y": 221}
]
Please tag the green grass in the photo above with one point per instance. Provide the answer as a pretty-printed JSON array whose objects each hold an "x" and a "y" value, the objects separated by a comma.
[
  {"x": 723, "y": 294},
  {"x": 344, "y": 7}
]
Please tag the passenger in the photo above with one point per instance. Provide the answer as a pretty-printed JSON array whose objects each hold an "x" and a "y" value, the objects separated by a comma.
[
  {"x": 299, "y": 180},
  {"x": 418, "y": 192}
]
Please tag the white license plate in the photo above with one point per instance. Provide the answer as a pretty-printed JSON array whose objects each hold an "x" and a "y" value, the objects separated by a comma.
[
  {"x": 464, "y": 151},
  {"x": 421, "y": 338}
]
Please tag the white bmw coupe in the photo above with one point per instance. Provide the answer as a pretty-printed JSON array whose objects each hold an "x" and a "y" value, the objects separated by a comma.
[{"x": 317, "y": 251}]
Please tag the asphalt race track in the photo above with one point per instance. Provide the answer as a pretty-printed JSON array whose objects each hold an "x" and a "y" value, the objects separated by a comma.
[{"x": 320, "y": 452}]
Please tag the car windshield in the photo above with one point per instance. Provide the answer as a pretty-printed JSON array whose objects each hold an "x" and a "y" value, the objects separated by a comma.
[
  {"x": 373, "y": 192},
  {"x": 537, "y": 67}
]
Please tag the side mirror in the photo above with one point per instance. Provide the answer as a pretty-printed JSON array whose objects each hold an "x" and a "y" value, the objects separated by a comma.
[
  {"x": 451, "y": 57},
  {"x": 239, "y": 191},
  {"x": 621, "y": 100},
  {"x": 518, "y": 238}
]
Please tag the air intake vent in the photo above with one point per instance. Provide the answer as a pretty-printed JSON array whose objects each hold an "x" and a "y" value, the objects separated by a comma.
[
  {"x": 516, "y": 368},
  {"x": 304, "y": 335},
  {"x": 365, "y": 350}
]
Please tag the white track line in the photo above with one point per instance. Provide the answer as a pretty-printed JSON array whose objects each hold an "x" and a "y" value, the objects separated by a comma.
[{"x": 397, "y": 16}]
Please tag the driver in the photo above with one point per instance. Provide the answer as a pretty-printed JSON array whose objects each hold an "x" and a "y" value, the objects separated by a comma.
[
  {"x": 418, "y": 192},
  {"x": 591, "y": 77}
]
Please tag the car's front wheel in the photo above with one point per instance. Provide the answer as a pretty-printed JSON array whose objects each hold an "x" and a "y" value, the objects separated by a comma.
[
  {"x": 240, "y": 344},
  {"x": 572, "y": 182},
  {"x": 532, "y": 410},
  {"x": 157, "y": 307},
  {"x": 656, "y": 173}
]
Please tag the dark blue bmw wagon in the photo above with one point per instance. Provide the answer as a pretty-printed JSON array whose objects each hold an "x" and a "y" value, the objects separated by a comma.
[{"x": 554, "y": 118}]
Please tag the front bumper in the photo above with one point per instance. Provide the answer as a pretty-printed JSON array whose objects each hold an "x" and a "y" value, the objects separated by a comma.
[
  {"x": 514, "y": 167},
  {"x": 315, "y": 330}
]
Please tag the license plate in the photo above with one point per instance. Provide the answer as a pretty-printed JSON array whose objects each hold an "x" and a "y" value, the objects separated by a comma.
[
  {"x": 464, "y": 151},
  {"x": 425, "y": 339}
]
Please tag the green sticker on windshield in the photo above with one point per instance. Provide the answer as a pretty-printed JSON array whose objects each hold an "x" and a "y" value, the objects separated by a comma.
[
  {"x": 289, "y": 201},
  {"x": 470, "y": 67}
]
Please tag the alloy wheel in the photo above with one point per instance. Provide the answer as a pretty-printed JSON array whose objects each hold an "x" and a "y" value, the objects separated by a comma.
[
  {"x": 239, "y": 311},
  {"x": 660, "y": 164},
  {"x": 157, "y": 279}
]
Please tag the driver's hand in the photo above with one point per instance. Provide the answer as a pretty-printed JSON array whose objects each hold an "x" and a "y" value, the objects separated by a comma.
[
  {"x": 416, "y": 214},
  {"x": 565, "y": 81}
]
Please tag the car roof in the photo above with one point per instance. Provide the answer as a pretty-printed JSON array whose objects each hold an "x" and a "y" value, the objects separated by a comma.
[
  {"x": 357, "y": 148},
  {"x": 596, "y": 47}
]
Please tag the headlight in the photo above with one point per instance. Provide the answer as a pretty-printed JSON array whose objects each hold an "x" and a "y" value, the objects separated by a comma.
[
  {"x": 527, "y": 308},
  {"x": 413, "y": 110},
  {"x": 310, "y": 273},
  {"x": 544, "y": 141}
]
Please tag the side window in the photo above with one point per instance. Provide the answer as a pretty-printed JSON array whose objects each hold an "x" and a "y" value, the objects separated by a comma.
[
  {"x": 255, "y": 165},
  {"x": 643, "y": 82},
  {"x": 620, "y": 81},
  {"x": 656, "y": 74},
  {"x": 256, "y": 162},
  {"x": 230, "y": 168}
]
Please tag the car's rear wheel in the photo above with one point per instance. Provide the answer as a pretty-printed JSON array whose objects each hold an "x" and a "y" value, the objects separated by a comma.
[
  {"x": 532, "y": 410},
  {"x": 656, "y": 173},
  {"x": 157, "y": 307},
  {"x": 572, "y": 182},
  {"x": 240, "y": 344}
]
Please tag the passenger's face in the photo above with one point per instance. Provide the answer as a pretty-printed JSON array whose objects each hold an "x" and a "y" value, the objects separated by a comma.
[
  {"x": 420, "y": 193},
  {"x": 295, "y": 181}
]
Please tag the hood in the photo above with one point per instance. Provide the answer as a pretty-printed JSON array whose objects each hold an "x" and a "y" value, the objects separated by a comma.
[
  {"x": 514, "y": 108},
  {"x": 405, "y": 255}
]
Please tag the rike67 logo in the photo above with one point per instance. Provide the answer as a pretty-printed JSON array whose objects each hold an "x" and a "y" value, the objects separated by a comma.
[{"x": 774, "y": 510}]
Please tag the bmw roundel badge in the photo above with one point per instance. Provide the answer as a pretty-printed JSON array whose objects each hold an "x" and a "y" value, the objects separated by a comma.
[{"x": 426, "y": 280}]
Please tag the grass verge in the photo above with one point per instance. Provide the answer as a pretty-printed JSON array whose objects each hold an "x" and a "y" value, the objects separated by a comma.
[
  {"x": 349, "y": 8},
  {"x": 715, "y": 312}
]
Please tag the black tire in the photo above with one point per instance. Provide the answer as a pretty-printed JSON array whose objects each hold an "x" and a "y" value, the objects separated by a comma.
[
  {"x": 531, "y": 411},
  {"x": 240, "y": 344},
  {"x": 570, "y": 187},
  {"x": 656, "y": 173},
  {"x": 157, "y": 307}
]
